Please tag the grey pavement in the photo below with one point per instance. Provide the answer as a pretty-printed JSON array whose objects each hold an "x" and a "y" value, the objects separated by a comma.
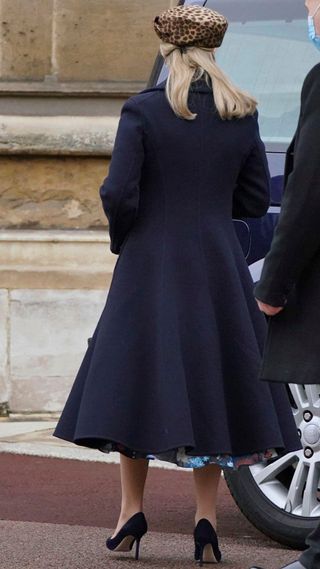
[{"x": 27, "y": 545}]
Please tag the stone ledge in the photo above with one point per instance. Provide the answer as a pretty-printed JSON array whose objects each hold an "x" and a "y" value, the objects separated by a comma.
[
  {"x": 45, "y": 259},
  {"x": 54, "y": 236},
  {"x": 58, "y": 135},
  {"x": 51, "y": 87},
  {"x": 58, "y": 279},
  {"x": 30, "y": 416}
]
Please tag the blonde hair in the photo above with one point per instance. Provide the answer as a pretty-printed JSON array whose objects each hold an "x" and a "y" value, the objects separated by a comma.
[{"x": 193, "y": 63}]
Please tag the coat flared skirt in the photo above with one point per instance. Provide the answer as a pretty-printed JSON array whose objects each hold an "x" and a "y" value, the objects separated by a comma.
[{"x": 167, "y": 371}]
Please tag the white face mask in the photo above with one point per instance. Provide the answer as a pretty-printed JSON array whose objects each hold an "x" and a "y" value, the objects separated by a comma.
[{"x": 312, "y": 30}]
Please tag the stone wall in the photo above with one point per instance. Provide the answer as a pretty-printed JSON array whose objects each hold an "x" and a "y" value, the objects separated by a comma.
[
  {"x": 53, "y": 286},
  {"x": 66, "y": 68},
  {"x": 63, "y": 192},
  {"x": 78, "y": 40},
  {"x": 43, "y": 363},
  {"x": 51, "y": 169}
]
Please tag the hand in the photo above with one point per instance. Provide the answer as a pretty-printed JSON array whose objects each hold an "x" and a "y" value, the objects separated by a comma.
[
  {"x": 311, "y": 6},
  {"x": 268, "y": 309}
]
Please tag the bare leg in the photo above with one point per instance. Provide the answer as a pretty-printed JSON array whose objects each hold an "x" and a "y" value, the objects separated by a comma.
[
  {"x": 206, "y": 482},
  {"x": 133, "y": 477}
]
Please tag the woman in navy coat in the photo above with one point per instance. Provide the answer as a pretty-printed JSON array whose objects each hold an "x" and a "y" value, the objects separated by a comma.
[{"x": 172, "y": 368}]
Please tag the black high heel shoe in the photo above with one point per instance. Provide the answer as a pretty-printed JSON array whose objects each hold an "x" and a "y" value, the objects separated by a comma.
[
  {"x": 132, "y": 532},
  {"x": 206, "y": 543}
]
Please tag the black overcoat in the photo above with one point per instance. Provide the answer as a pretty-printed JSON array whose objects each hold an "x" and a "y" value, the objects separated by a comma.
[
  {"x": 291, "y": 272},
  {"x": 174, "y": 359}
]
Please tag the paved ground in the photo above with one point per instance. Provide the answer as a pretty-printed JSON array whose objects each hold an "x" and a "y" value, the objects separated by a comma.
[{"x": 56, "y": 513}]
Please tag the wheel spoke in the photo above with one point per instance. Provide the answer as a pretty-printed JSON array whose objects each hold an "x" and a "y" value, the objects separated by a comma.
[
  {"x": 295, "y": 494},
  {"x": 272, "y": 470},
  {"x": 313, "y": 395},
  {"x": 310, "y": 494},
  {"x": 299, "y": 395}
]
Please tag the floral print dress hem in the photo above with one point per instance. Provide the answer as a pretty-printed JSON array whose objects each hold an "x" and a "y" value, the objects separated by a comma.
[{"x": 184, "y": 460}]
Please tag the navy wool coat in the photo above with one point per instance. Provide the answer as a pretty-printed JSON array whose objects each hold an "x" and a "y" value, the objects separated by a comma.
[
  {"x": 174, "y": 359},
  {"x": 291, "y": 273}
]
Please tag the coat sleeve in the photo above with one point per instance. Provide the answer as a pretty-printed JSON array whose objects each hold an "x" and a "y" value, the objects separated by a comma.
[
  {"x": 120, "y": 190},
  {"x": 297, "y": 236},
  {"x": 252, "y": 193}
]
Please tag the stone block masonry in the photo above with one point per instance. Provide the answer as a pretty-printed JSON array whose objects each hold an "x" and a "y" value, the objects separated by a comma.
[
  {"x": 44, "y": 334},
  {"x": 62, "y": 192},
  {"x": 99, "y": 40},
  {"x": 49, "y": 331},
  {"x": 53, "y": 287},
  {"x": 78, "y": 40},
  {"x": 26, "y": 38},
  {"x": 82, "y": 58}
]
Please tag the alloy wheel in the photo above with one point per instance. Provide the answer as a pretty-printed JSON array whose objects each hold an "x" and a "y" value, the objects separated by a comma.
[{"x": 292, "y": 482}]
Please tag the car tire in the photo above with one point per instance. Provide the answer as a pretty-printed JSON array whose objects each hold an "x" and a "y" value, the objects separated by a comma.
[{"x": 283, "y": 527}]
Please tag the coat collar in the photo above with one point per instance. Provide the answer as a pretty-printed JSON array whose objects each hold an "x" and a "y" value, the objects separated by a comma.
[{"x": 199, "y": 86}]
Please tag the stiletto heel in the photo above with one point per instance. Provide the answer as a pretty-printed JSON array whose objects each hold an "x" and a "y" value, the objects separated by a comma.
[
  {"x": 206, "y": 543},
  {"x": 137, "y": 549},
  {"x": 132, "y": 532}
]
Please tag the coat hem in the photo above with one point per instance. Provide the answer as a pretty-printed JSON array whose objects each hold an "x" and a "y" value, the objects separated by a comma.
[
  {"x": 291, "y": 380},
  {"x": 104, "y": 445}
]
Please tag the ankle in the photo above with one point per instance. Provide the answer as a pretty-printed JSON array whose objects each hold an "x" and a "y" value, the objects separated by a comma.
[
  {"x": 128, "y": 511},
  {"x": 207, "y": 516},
  {"x": 124, "y": 517}
]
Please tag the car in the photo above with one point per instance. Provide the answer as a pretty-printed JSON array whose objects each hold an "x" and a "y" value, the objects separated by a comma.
[{"x": 267, "y": 52}]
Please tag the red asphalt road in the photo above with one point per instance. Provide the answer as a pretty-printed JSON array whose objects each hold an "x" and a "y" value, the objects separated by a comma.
[{"x": 88, "y": 494}]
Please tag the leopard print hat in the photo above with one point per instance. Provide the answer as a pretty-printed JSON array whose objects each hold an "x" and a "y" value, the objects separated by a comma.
[{"x": 186, "y": 26}]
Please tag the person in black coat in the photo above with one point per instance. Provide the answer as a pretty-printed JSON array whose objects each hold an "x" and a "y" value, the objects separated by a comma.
[
  {"x": 172, "y": 368},
  {"x": 288, "y": 290}
]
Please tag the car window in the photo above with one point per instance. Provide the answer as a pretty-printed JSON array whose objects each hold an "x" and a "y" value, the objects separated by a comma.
[{"x": 267, "y": 52}]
